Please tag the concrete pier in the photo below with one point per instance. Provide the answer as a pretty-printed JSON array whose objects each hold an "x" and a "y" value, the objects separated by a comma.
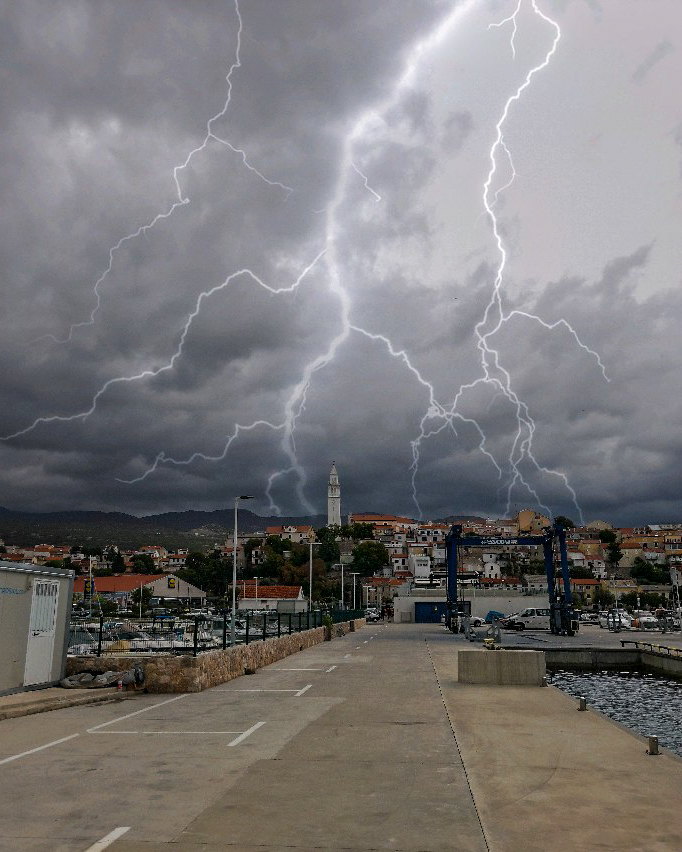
[{"x": 368, "y": 742}]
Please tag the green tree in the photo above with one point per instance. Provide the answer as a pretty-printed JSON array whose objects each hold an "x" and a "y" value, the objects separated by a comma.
[
  {"x": 581, "y": 573},
  {"x": 358, "y": 531},
  {"x": 54, "y": 563},
  {"x": 146, "y": 598},
  {"x": 118, "y": 565},
  {"x": 143, "y": 564},
  {"x": 370, "y": 556},
  {"x": 603, "y": 597},
  {"x": 613, "y": 554},
  {"x": 565, "y": 522},
  {"x": 329, "y": 547},
  {"x": 651, "y": 600},
  {"x": 607, "y": 536}
]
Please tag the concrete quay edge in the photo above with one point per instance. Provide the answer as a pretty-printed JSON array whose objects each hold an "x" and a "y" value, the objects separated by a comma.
[{"x": 55, "y": 698}]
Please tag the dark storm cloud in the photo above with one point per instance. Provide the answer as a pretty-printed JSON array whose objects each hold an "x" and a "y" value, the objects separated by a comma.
[{"x": 100, "y": 101}]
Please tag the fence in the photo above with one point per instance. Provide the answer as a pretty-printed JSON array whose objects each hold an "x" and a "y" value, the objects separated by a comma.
[{"x": 191, "y": 634}]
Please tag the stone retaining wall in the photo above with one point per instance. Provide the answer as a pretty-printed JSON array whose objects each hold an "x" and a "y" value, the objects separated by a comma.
[{"x": 170, "y": 673}]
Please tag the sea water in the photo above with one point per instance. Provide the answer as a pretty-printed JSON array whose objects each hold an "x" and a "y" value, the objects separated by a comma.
[{"x": 646, "y": 703}]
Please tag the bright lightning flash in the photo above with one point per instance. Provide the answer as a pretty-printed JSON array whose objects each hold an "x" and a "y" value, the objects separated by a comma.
[
  {"x": 437, "y": 416},
  {"x": 181, "y": 199}
]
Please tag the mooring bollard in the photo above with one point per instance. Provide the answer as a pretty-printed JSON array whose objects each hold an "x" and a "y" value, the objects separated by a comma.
[
  {"x": 653, "y": 746},
  {"x": 582, "y": 703}
]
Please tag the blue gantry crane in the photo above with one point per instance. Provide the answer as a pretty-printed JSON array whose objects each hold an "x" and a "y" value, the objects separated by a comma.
[{"x": 553, "y": 541}]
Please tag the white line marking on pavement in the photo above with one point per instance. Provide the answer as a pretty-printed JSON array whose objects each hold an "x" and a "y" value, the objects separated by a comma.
[
  {"x": 256, "y": 690},
  {"x": 301, "y": 670},
  {"x": 168, "y": 732},
  {"x": 346, "y": 656},
  {"x": 136, "y": 713},
  {"x": 365, "y": 642},
  {"x": 301, "y": 691},
  {"x": 330, "y": 669},
  {"x": 39, "y": 748},
  {"x": 242, "y": 737},
  {"x": 108, "y": 839}
]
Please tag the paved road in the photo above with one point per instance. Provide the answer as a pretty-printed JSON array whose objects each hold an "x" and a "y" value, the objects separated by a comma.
[
  {"x": 355, "y": 744},
  {"x": 345, "y": 745}
]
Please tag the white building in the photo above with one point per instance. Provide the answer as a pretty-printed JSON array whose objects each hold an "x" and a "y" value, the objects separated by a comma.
[
  {"x": 420, "y": 566},
  {"x": 333, "y": 498}
]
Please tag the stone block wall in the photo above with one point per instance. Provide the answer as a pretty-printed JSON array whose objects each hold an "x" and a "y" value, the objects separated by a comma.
[{"x": 168, "y": 673}]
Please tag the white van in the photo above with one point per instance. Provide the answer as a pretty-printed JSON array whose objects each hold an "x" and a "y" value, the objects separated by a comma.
[{"x": 531, "y": 618}]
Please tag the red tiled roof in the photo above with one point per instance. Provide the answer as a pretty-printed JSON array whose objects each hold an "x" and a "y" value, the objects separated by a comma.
[
  {"x": 287, "y": 528},
  {"x": 117, "y": 583},
  {"x": 266, "y": 592}
]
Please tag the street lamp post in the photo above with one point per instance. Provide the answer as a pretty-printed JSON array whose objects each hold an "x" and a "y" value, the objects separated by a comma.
[
  {"x": 234, "y": 569},
  {"x": 343, "y": 599},
  {"x": 355, "y": 574},
  {"x": 310, "y": 578}
]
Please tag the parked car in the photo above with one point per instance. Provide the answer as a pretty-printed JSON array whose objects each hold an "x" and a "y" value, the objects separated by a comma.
[
  {"x": 616, "y": 619},
  {"x": 372, "y": 614},
  {"x": 531, "y": 618}
]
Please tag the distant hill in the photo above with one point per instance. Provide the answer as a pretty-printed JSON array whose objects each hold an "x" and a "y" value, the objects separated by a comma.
[{"x": 171, "y": 529}]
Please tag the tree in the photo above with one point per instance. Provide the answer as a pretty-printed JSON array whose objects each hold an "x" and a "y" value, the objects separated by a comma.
[
  {"x": 143, "y": 564},
  {"x": 603, "y": 597},
  {"x": 370, "y": 556},
  {"x": 146, "y": 598},
  {"x": 607, "y": 536},
  {"x": 581, "y": 573},
  {"x": 329, "y": 547},
  {"x": 652, "y": 600},
  {"x": 118, "y": 565},
  {"x": 358, "y": 531},
  {"x": 613, "y": 554},
  {"x": 565, "y": 522}
]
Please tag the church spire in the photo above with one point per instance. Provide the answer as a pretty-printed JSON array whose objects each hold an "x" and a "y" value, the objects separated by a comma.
[{"x": 333, "y": 498}]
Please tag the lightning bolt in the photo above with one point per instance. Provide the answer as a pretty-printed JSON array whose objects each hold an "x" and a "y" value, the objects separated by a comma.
[
  {"x": 376, "y": 195},
  {"x": 150, "y": 374},
  {"x": 181, "y": 199},
  {"x": 437, "y": 416}
]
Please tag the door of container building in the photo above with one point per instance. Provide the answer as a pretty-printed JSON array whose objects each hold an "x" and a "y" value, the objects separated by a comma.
[
  {"x": 429, "y": 613},
  {"x": 41, "y": 632}
]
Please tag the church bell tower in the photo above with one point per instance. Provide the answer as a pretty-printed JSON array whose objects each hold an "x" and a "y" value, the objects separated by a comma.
[{"x": 333, "y": 498}]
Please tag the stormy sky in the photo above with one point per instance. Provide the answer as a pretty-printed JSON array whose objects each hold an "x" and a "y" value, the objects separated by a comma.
[{"x": 240, "y": 241}]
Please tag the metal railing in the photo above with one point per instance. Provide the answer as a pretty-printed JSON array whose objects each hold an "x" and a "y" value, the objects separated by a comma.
[{"x": 182, "y": 634}]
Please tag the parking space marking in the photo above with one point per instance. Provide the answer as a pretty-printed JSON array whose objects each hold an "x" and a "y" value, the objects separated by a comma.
[
  {"x": 301, "y": 670},
  {"x": 258, "y": 690},
  {"x": 38, "y": 748},
  {"x": 109, "y": 733},
  {"x": 242, "y": 737},
  {"x": 108, "y": 839},
  {"x": 330, "y": 669},
  {"x": 136, "y": 713},
  {"x": 301, "y": 691},
  {"x": 346, "y": 656}
]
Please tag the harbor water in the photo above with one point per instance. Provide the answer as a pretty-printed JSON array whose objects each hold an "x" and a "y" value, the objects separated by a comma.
[{"x": 646, "y": 703}]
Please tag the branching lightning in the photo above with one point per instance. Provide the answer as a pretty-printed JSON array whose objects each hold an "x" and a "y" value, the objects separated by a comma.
[
  {"x": 437, "y": 417},
  {"x": 182, "y": 199}
]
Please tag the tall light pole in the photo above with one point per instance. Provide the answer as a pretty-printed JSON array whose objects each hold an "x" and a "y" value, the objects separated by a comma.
[
  {"x": 355, "y": 574},
  {"x": 310, "y": 578},
  {"x": 234, "y": 569},
  {"x": 343, "y": 600}
]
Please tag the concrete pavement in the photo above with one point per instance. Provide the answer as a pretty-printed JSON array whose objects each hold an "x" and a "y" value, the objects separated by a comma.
[{"x": 363, "y": 743}]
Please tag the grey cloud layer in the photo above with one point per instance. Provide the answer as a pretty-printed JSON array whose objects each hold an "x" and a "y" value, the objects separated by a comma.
[{"x": 104, "y": 99}]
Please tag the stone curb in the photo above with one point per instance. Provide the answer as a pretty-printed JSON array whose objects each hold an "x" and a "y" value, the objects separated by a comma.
[{"x": 48, "y": 704}]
